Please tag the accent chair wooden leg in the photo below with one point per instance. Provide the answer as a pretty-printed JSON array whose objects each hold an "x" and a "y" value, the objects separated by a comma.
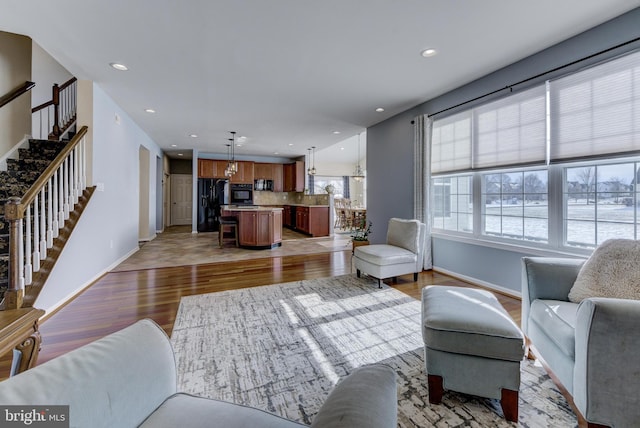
[
  {"x": 435, "y": 389},
  {"x": 415, "y": 276},
  {"x": 358, "y": 273},
  {"x": 379, "y": 283},
  {"x": 509, "y": 403}
]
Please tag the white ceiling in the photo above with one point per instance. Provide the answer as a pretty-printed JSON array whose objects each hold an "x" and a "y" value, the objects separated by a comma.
[{"x": 284, "y": 72}]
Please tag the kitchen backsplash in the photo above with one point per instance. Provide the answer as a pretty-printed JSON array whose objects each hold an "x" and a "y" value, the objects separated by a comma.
[{"x": 284, "y": 198}]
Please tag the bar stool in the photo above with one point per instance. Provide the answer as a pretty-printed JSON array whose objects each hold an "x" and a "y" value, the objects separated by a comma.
[{"x": 229, "y": 221}]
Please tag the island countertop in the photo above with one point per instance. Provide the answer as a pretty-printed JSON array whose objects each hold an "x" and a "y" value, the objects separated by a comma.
[{"x": 250, "y": 208}]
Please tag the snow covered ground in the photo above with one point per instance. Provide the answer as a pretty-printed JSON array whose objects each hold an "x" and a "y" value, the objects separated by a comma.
[{"x": 529, "y": 221}]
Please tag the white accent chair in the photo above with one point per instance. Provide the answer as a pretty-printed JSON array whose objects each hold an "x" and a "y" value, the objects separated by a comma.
[{"x": 402, "y": 254}]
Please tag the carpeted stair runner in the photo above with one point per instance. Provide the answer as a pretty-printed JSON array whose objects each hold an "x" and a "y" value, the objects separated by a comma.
[{"x": 20, "y": 175}]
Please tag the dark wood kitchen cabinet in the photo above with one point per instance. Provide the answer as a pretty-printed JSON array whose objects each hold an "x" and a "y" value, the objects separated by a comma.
[
  {"x": 311, "y": 220},
  {"x": 294, "y": 177},
  {"x": 260, "y": 228}
]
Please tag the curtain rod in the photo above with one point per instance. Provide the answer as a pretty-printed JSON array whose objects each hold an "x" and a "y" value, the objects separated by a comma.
[{"x": 510, "y": 87}]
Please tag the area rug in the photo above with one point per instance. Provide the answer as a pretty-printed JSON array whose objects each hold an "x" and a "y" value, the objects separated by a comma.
[{"x": 282, "y": 348}]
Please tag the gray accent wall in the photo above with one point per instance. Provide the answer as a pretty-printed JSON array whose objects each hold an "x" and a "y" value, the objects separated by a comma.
[{"x": 390, "y": 147}]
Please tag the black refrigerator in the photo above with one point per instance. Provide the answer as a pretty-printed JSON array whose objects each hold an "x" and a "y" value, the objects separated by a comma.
[{"x": 212, "y": 194}]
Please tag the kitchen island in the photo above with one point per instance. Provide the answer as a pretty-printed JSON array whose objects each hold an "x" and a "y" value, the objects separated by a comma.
[{"x": 258, "y": 227}]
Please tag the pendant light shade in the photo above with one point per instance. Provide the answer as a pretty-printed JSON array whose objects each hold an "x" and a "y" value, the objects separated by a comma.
[
  {"x": 312, "y": 169},
  {"x": 358, "y": 175}
]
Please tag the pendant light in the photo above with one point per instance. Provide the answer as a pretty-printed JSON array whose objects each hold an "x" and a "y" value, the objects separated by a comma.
[
  {"x": 233, "y": 165},
  {"x": 227, "y": 170},
  {"x": 358, "y": 175},
  {"x": 313, "y": 168},
  {"x": 309, "y": 162}
]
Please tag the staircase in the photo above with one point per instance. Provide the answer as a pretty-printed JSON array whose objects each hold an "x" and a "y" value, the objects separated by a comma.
[{"x": 20, "y": 175}]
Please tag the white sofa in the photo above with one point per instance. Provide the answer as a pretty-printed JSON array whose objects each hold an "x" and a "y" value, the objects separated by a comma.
[
  {"x": 402, "y": 254},
  {"x": 128, "y": 379}
]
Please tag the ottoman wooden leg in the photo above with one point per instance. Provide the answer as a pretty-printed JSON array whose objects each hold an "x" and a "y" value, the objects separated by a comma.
[
  {"x": 509, "y": 403},
  {"x": 435, "y": 389}
]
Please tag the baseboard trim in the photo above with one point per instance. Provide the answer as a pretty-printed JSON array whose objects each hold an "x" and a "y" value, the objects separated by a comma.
[
  {"x": 485, "y": 284},
  {"x": 72, "y": 295}
]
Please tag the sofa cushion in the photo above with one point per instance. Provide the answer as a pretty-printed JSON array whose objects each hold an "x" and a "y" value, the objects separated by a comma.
[
  {"x": 611, "y": 271},
  {"x": 383, "y": 254},
  {"x": 186, "y": 411},
  {"x": 404, "y": 233},
  {"x": 558, "y": 320},
  {"x": 470, "y": 322}
]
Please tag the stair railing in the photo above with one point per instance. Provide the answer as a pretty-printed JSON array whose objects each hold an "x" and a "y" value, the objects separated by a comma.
[
  {"x": 6, "y": 99},
  {"x": 56, "y": 116},
  {"x": 36, "y": 218}
]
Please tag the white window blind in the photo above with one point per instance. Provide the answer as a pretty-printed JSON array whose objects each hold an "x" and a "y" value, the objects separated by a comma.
[
  {"x": 596, "y": 111},
  {"x": 511, "y": 131},
  {"x": 451, "y": 143},
  {"x": 507, "y": 132}
]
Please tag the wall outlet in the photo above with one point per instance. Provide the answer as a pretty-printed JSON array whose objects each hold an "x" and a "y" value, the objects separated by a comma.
[{"x": 100, "y": 187}]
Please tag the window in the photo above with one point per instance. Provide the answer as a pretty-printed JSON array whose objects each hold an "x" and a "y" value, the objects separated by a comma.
[
  {"x": 453, "y": 203},
  {"x": 515, "y": 205},
  {"x": 600, "y": 203},
  {"x": 320, "y": 182},
  {"x": 556, "y": 165}
]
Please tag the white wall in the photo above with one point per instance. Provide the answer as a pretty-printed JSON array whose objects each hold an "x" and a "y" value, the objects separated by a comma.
[
  {"x": 45, "y": 72},
  {"x": 107, "y": 232},
  {"x": 15, "y": 70}
]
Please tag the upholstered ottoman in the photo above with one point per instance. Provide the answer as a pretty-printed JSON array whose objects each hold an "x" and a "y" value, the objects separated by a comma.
[{"x": 471, "y": 345}]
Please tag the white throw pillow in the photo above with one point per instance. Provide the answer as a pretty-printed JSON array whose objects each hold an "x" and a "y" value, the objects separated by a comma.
[{"x": 613, "y": 270}]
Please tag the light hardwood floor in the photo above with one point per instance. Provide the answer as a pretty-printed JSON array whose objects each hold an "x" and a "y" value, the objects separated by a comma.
[{"x": 118, "y": 299}]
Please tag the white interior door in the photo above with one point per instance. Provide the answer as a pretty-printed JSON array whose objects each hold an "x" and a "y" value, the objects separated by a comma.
[{"x": 181, "y": 198}]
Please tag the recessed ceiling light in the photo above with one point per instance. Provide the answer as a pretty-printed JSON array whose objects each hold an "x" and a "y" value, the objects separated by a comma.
[
  {"x": 193, "y": 135},
  {"x": 174, "y": 145},
  {"x": 180, "y": 154},
  {"x": 336, "y": 132},
  {"x": 341, "y": 148},
  {"x": 118, "y": 66},
  {"x": 276, "y": 153},
  {"x": 241, "y": 139},
  {"x": 428, "y": 52},
  {"x": 290, "y": 144},
  {"x": 149, "y": 110},
  {"x": 379, "y": 109}
]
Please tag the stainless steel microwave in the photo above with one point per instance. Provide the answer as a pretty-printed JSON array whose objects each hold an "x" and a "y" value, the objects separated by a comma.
[{"x": 263, "y": 184}]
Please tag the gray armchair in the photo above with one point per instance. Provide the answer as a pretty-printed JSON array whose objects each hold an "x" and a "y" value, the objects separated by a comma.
[
  {"x": 592, "y": 347},
  {"x": 402, "y": 254}
]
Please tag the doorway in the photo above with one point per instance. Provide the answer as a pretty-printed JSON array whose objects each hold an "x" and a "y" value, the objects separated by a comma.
[{"x": 181, "y": 198}]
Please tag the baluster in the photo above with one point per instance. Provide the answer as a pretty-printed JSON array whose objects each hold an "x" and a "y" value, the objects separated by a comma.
[
  {"x": 28, "y": 267},
  {"x": 36, "y": 237},
  {"x": 49, "y": 214},
  {"x": 20, "y": 239},
  {"x": 54, "y": 213},
  {"x": 66, "y": 188},
  {"x": 43, "y": 226},
  {"x": 61, "y": 196},
  {"x": 83, "y": 159},
  {"x": 74, "y": 153}
]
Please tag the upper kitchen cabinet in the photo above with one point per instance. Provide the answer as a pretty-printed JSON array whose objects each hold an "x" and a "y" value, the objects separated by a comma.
[
  {"x": 244, "y": 175},
  {"x": 294, "y": 177},
  {"x": 209, "y": 168},
  {"x": 263, "y": 171},
  {"x": 278, "y": 179}
]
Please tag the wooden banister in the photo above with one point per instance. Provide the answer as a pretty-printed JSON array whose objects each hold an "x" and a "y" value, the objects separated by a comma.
[
  {"x": 6, "y": 99},
  {"x": 17, "y": 209}
]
